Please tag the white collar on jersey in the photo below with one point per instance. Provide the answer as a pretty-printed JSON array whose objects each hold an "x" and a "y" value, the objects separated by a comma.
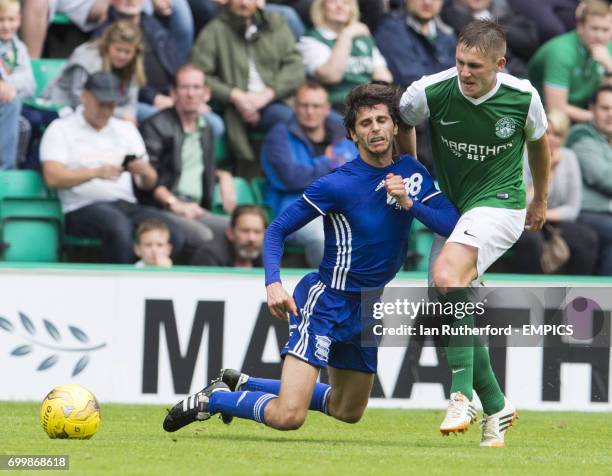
[{"x": 481, "y": 99}]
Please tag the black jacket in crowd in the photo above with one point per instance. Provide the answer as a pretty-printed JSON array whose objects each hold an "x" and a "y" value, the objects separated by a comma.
[{"x": 163, "y": 135}]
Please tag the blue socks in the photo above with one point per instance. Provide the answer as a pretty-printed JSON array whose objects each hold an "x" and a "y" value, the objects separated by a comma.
[
  {"x": 249, "y": 405},
  {"x": 320, "y": 396},
  {"x": 253, "y": 397}
]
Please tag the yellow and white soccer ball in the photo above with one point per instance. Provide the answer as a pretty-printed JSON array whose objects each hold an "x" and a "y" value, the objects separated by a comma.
[{"x": 70, "y": 411}]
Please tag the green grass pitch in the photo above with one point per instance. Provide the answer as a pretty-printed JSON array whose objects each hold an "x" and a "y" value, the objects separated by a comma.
[{"x": 131, "y": 441}]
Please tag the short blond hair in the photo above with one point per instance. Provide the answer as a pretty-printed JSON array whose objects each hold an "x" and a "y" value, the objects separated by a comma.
[
  {"x": 588, "y": 8},
  {"x": 318, "y": 18},
  {"x": 5, "y": 4},
  {"x": 559, "y": 121}
]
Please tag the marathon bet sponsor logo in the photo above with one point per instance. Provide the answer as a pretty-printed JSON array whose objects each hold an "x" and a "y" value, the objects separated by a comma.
[
  {"x": 477, "y": 152},
  {"x": 505, "y": 127}
]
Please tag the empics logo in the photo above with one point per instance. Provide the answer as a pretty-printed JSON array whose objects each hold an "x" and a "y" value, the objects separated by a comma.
[
  {"x": 53, "y": 343},
  {"x": 505, "y": 127}
]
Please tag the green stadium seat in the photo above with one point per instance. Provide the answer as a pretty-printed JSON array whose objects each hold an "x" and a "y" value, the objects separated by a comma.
[
  {"x": 30, "y": 229},
  {"x": 60, "y": 19},
  {"x": 45, "y": 71},
  {"x": 258, "y": 186},
  {"x": 244, "y": 195},
  {"x": 221, "y": 149},
  {"x": 419, "y": 247},
  {"x": 21, "y": 183}
]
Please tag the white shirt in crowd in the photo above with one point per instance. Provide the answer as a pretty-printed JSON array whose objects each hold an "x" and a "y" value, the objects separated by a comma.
[{"x": 74, "y": 143}]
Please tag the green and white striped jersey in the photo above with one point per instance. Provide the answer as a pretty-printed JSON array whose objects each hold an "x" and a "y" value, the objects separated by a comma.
[{"x": 477, "y": 144}]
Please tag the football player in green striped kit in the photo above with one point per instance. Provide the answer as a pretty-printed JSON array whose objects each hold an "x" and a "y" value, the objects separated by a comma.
[{"x": 481, "y": 120}]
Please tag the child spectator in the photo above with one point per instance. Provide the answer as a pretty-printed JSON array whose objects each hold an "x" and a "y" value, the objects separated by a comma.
[
  {"x": 153, "y": 245},
  {"x": 16, "y": 80}
]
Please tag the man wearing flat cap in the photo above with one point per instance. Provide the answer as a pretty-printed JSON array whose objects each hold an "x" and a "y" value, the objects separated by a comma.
[{"x": 95, "y": 160}]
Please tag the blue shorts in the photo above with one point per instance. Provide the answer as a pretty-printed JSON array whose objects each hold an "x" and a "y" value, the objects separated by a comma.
[{"x": 327, "y": 329}]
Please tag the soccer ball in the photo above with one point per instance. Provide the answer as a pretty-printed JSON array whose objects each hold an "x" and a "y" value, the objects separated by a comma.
[{"x": 70, "y": 411}]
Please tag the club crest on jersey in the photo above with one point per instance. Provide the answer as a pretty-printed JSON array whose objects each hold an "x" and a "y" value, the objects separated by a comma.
[{"x": 505, "y": 127}]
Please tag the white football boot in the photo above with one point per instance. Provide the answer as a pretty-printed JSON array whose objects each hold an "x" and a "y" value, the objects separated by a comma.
[
  {"x": 494, "y": 426},
  {"x": 461, "y": 413}
]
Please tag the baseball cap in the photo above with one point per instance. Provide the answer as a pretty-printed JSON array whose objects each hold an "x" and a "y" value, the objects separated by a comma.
[{"x": 104, "y": 86}]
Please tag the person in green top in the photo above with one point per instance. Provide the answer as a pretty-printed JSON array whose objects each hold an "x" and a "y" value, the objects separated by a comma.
[
  {"x": 480, "y": 119},
  {"x": 339, "y": 51},
  {"x": 568, "y": 69}
]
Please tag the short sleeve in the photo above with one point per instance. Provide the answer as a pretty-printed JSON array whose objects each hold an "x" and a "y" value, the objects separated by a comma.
[
  {"x": 413, "y": 104},
  {"x": 314, "y": 52},
  {"x": 136, "y": 144},
  {"x": 536, "y": 123},
  {"x": 419, "y": 183},
  {"x": 557, "y": 70},
  {"x": 54, "y": 145},
  {"x": 321, "y": 194},
  {"x": 378, "y": 59}
]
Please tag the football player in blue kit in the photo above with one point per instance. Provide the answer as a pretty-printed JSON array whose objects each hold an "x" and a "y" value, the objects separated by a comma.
[{"x": 368, "y": 205}]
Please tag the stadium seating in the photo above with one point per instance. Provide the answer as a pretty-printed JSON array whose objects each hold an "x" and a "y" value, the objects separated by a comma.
[
  {"x": 244, "y": 195},
  {"x": 30, "y": 220},
  {"x": 419, "y": 247},
  {"x": 45, "y": 70}
]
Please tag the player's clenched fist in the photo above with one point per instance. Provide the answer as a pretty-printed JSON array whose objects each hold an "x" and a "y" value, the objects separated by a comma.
[
  {"x": 396, "y": 188},
  {"x": 279, "y": 301}
]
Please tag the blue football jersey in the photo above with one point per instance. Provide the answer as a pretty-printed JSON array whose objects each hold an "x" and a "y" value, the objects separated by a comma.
[{"x": 366, "y": 231}]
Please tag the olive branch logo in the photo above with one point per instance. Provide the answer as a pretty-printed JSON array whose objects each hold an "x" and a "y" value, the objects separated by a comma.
[{"x": 55, "y": 346}]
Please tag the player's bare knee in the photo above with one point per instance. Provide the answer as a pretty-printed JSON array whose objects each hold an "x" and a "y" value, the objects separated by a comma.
[
  {"x": 351, "y": 416},
  {"x": 444, "y": 278},
  {"x": 292, "y": 420}
]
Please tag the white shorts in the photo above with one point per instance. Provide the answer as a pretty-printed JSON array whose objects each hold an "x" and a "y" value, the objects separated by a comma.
[
  {"x": 76, "y": 10},
  {"x": 492, "y": 230}
]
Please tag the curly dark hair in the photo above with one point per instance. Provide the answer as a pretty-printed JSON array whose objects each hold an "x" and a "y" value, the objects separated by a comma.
[{"x": 370, "y": 95}]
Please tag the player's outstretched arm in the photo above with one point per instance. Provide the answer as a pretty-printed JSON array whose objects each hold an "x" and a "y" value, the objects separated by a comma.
[
  {"x": 280, "y": 301},
  {"x": 293, "y": 218},
  {"x": 437, "y": 212},
  {"x": 538, "y": 154}
]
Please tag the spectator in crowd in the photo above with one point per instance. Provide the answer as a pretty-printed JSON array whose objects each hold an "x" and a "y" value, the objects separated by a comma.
[
  {"x": 564, "y": 201},
  {"x": 253, "y": 68},
  {"x": 119, "y": 51},
  {"x": 95, "y": 160},
  {"x": 153, "y": 245},
  {"x": 521, "y": 32},
  {"x": 297, "y": 152},
  {"x": 340, "y": 52},
  {"x": 85, "y": 14},
  {"x": 552, "y": 17},
  {"x": 16, "y": 80},
  {"x": 161, "y": 59},
  {"x": 417, "y": 42},
  {"x": 241, "y": 245},
  {"x": 161, "y": 62},
  {"x": 176, "y": 16},
  {"x": 205, "y": 10},
  {"x": 180, "y": 147},
  {"x": 592, "y": 144},
  {"x": 568, "y": 69}
]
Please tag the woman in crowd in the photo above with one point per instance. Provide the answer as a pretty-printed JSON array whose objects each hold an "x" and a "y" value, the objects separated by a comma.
[
  {"x": 564, "y": 199},
  {"x": 339, "y": 51},
  {"x": 120, "y": 51}
]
